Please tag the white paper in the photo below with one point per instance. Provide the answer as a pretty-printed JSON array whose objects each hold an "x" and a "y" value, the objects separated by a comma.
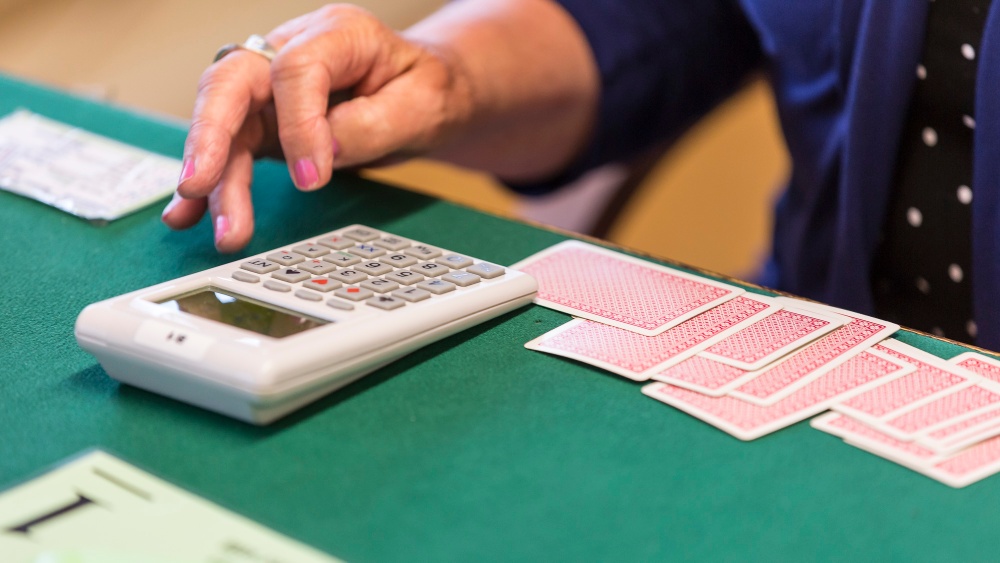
[{"x": 80, "y": 172}]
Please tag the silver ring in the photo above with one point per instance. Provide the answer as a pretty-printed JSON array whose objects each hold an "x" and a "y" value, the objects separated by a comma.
[{"x": 255, "y": 44}]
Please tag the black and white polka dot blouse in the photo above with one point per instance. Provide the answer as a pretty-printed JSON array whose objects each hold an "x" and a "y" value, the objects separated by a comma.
[{"x": 921, "y": 273}]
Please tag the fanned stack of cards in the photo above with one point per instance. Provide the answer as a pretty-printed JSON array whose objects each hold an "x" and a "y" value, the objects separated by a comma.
[{"x": 750, "y": 365}]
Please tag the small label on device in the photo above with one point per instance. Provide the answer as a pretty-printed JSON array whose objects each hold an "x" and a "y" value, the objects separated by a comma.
[{"x": 168, "y": 338}]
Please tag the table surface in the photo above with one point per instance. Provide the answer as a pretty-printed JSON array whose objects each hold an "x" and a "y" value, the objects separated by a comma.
[{"x": 471, "y": 448}]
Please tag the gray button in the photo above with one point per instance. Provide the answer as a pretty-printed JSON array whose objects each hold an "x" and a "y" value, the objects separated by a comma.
[
  {"x": 317, "y": 267},
  {"x": 308, "y": 295},
  {"x": 367, "y": 251},
  {"x": 412, "y": 294},
  {"x": 392, "y": 243},
  {"x": 242, "y": 276},
  {"x": 276, "y": 286},
  {"x": 456, "y": 261},
  {"x": 486, "y": 270},
  {"x": 423, "y": 252},
  {"x": 291, "y": 275},
  {"x": 338, "y": 304},
  {"x": 322, "y": 284},
  {"x": 379, "y": 285},
  {"x": 430, "y": 269},
  {"x": 461, "y": 279},
  {"x": 361, "y": 234},
  {"x": 437, "y": 287},
  {"x": 374, "y": 268},
  {"x": 399, "y": 260},
  {"x": 405, "y": 277},
  {"x": 311, "y": 250},
  {"x": 386, "y": 302},
  {"x": 349, "y": 276},
  {"x": 342, "y": 259},
  {"x": 336, "y": 243},
  {"x": 286, "y": 258},
  {"x": 353, "y": 293},
  {"x": 259, "y": 266}
]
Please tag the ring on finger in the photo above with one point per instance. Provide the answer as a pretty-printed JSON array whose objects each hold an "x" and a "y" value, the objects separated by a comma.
[{"x": 255, "y": 44}]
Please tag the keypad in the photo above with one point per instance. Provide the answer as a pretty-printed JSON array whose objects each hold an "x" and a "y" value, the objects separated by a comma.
[
  {"x": 412, "y": 294},
  {"x": 486, "y": 270},
  {"x": 379, "y": 285},
  {"x": 286, "y": 258},
  {"x": 361, "y": 234},
  {"x": 354, "y": 293},
  {"x": 367, "y": 251},
  {"x": 461, "y": 279},
  {"x": 245, "y": 277},
  {"x": 322, "y": 284},
  {"x": 259, "y": 266},
  {"x": 405, "y": 277},
  {"x": 399, "y": 260},
  {"x": 277, "y": 286},
  {"x": 317, "y": 267},
  {"x": 386, "y": 302},
  {"x": 342, "y": 259},
  {"x": 392, "y": 243},
  {"x": 437, "y": 287},
  {"x": 456, "y": 261},
  {"x": 429, "y": 269},
  {"x": 349, "y": 276},
  {"x": 291, "y": 275},
  {"x": 311, "y": 250},
  {"x": 357, "y": 265},
  {"x": 337, "y": 242},
  {"x": 374, "y": 268},
  {"x": 423, "y": 252}
]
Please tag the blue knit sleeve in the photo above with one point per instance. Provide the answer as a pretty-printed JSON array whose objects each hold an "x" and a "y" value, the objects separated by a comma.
[{"x": 663, "y": 64}]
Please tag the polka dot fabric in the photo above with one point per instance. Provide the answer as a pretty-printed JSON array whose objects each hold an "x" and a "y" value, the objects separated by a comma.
[{"x": 921, "y": 272}]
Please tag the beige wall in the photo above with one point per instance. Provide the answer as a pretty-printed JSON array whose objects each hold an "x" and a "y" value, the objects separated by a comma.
[{"x": 707, "y": 203}]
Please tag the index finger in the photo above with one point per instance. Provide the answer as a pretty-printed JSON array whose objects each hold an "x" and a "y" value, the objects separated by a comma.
[{"x": 229, "y": 90}]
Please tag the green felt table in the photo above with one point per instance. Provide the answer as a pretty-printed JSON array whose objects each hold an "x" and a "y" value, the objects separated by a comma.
[{"x": 473, "y": 448}]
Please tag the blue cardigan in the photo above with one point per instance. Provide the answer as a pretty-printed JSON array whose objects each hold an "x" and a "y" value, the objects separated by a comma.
[{"x": 842, "y": 72}]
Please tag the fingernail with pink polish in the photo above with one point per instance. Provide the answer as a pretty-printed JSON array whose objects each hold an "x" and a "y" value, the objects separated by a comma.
[
  {"x": 221, "y": 228},
  {"x": 187, "y": 170},
  {"x": 170, "y": 206},
  {"x": 305, "y": 174}
]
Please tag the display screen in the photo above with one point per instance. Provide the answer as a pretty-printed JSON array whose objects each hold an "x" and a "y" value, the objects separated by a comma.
[{"x": 217, "y": 305}]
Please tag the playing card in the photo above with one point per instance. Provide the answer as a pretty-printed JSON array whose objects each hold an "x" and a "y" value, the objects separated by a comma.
[
  {"x": 703, "y": 375},
  {"x": 748, "y": 421},
  {"x": 636, "y": 356},
  {"x": 984, "y": 366},
  {"x": 608, "y": 287},
  {"x": 963, "y": 433},
  {"x": 932, "y": 379},
  {"x": 794, "y": 371},
  {"x": 772, "y": 337},
  {"x": 955, "y": 470},
  {"x": 859, "y": 434},
  {"x": 943, "y": 411}
]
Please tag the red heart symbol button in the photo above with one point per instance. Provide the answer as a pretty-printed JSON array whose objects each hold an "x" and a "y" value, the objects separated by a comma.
[{"x": 320, "y": 282}]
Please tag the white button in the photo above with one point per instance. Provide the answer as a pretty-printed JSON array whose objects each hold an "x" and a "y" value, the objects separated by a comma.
[
  {"x": 968, "y": 51},
  {"x": 955, "y": 273},
  {"x": 921, "y": 72},
  {"x": 923, "y": 285},
  {"x": 914, "y": 217},
  {"x": 930, "y": 136},
  {"x": 964, "y": 194},
  {"x": 971, "y": 328},
  {"x": 968, "y": 121}
]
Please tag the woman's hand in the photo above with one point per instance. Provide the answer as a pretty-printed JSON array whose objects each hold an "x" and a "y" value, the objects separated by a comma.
[{"x": 345, "y": 90}]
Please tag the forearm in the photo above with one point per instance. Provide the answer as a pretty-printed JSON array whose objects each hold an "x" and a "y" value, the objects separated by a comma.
[{"x": 528, "y": 78}]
